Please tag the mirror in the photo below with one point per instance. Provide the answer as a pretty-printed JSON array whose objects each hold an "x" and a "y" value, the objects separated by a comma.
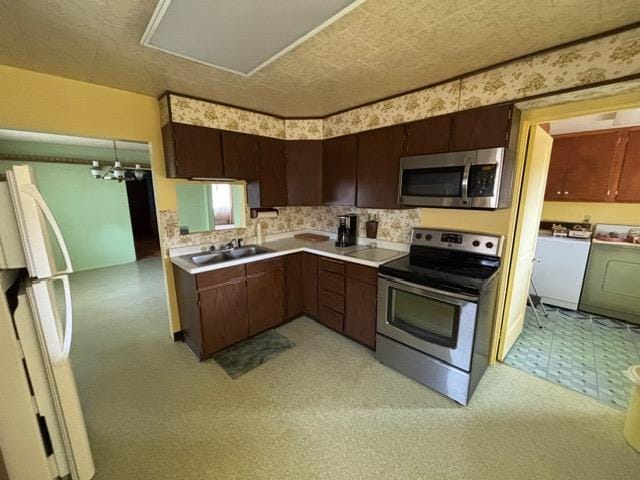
[{"x": 205, "y": 207}]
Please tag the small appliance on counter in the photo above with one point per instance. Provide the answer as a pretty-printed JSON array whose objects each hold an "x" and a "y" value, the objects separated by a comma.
[
  {"x": 347, "y": 230},
  {"x": 567, "y": 229},
  {"x": 436, "y": 308}
]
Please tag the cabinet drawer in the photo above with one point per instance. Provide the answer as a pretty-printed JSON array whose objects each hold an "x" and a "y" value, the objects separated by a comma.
[
  {"x": 263, "y": 266},
  {"x": 332, "y": 300},
  {"x": 364, "y": 274},
  {"x": 219, "y": 277},
  {"x": 331, "y": 282},
  {"x": 329, "y": 265},
  {"x": 330, "y": 318}
]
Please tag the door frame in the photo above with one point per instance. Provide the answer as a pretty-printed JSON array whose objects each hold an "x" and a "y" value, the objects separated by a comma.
[{"x": 524, "y": 171}]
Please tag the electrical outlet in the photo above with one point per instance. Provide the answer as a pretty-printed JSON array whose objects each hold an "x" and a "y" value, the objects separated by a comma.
[{"x": 586, "y": 219}]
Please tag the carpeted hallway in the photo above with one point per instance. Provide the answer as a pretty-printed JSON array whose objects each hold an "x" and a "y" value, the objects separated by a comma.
[{"x": 322, "y": 409}]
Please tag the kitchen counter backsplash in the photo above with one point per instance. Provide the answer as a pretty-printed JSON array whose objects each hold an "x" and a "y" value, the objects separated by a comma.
[{"x": 394, "y": 225}]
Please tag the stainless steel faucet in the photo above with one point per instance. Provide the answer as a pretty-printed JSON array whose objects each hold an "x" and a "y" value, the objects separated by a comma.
[{"x": 232, "y": 245}]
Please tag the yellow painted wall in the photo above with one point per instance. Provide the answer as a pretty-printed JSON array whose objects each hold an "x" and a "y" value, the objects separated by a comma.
[
  {"x": 621, "y": 213},
  {"x": 44, "y": 103}
]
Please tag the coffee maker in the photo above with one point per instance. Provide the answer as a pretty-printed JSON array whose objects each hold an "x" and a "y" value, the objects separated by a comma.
[{"x": 347, "y": 230}]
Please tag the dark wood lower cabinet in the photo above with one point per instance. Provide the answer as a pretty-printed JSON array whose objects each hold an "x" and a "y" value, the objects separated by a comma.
[
  {"x": 222, "y": 307},
  {"x": 224, "y": 315},
  {"x": 361, "y": 302},
  {"x": 265, "y": 293},
  {"x": 310, "y": 284},
  {"x": 294, "y": 281}
]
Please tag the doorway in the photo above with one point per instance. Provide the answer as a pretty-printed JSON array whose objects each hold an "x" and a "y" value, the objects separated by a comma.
[
  {"x": 144, "y": 223},
  {"x": 580, "y": 328}
]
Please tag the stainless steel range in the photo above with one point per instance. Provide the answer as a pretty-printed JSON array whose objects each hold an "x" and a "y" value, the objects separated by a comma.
[{"x": 435, "y": 309}]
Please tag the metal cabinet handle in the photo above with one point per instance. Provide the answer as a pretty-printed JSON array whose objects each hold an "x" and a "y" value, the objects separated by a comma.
[
  {"x": 566, "y": 193},
  {"x": 558, "y": 193}
]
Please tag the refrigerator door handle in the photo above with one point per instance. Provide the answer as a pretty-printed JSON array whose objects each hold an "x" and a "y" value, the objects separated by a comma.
[
  {"x": 31, "y": 190},
  {"x": 68, "y": 326}
]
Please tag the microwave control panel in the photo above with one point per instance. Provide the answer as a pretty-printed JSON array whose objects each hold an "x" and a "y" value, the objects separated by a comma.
[{"x": 482, "y": 180}]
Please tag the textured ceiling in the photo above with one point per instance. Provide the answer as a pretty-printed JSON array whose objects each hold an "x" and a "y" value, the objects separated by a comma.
[{"x": 379, "y": 49}]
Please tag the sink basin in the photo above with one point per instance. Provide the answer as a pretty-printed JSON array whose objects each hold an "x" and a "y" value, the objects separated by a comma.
[
  {"x": 203, "y": 259},
  {"x": 248, "y": 251},
  {"x": 225, "y": 256}
]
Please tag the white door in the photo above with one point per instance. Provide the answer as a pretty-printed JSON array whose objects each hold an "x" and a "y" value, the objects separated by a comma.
[
  {"x": 53, "y": 320},
  {"x": 35, "y": 221},
  {"x": 529, "y": 213}
]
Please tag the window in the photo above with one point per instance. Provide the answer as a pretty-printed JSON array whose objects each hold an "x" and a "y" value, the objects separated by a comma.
[{"x": 222, "y": 205}]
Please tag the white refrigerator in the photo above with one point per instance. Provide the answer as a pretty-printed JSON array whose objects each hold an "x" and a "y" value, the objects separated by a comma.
[{"x": 42, "y": 429}]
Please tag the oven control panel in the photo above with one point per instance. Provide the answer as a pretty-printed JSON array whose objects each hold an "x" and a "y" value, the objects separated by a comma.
[{"x": 457, "y": 240}]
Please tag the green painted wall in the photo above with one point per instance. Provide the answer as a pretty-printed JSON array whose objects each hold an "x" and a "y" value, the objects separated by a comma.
[
  {"x": 93, "y": 214},
  {"x": 194, "y": 210}
]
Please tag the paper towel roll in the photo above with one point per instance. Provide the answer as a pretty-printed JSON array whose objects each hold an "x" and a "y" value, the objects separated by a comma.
[{"x": 267, "y": 214}]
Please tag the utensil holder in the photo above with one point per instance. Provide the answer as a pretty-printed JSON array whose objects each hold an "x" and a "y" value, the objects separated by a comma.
[{"x": 372, "y": 229}]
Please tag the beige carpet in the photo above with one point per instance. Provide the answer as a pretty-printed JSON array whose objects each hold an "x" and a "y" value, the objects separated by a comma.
[{"x": 324, "y": 409}]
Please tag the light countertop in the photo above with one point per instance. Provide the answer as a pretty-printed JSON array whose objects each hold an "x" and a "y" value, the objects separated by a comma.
[{"x": 371, "y": 257}]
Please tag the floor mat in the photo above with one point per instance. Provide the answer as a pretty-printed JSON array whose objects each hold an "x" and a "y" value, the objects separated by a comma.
[
  {"x": 581, "y": 351},
  {"x": 245, "y": 356}
]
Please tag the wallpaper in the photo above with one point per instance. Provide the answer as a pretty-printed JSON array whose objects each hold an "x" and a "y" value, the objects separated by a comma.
[
  {"x": 591, "y": 62},
  {"x": 303, "y": 129},
  {"x": 394, "y": 225},
  {"x": 587, "y": 63},
  {"x": 209, "y": 114}
]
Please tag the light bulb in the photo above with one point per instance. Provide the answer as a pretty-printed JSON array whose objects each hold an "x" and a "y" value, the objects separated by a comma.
[
  {"x": 118, "y": 171},
  {"x": 96, "y": 171},
  {"x": 138, "y": 172}
]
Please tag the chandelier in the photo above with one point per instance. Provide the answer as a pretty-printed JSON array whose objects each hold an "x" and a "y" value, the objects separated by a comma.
[{"x": 117, "y": 172}]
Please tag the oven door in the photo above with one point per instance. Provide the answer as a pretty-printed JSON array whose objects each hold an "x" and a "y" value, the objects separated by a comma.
[{"x": 439, "y": 323}]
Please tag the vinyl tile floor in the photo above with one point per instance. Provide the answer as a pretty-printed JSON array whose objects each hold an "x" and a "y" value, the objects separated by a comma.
[
  {"x": 584, "y": 352},
  {"x": 324, "y": 409}
]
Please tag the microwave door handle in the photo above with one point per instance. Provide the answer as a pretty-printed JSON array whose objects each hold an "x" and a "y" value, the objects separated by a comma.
[{"x": 465, "y": 180}]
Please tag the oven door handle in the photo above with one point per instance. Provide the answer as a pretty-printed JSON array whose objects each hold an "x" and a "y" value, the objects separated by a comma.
[
  {"x": 457, "y": 296},
  {"x": 465, "y": 180}
]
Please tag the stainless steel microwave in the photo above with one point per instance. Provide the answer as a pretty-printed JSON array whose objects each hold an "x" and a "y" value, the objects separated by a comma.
[{"x": 472, "y": 179}]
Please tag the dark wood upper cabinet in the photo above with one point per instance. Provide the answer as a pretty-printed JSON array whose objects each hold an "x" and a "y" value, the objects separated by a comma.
[
  {"x": 265, "y": 293},
  {"x": 339, "y": 160},
  {"x": 240, "y": 154},
  {"x": 628, "y": 189},
  {"x": 192, "y": 151},
  {"x": 310, "y": 284},
  {"x": 428, "y": 136},
  {"x": 379, "y": 153},
  {"x": 271, "y": 188},
  {"x": 304, "y": 172},
  {"x": 485, "y": 127},
  {"x": 294, "y": 281},
  {"x": 557, "y": 172},
  {"x": 584, "y": 167}
]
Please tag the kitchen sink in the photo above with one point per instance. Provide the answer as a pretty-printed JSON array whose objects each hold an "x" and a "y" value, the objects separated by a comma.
[{"x": 228, "y": 255}]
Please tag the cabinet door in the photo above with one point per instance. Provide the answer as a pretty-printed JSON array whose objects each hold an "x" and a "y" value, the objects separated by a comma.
[
  {"x": 589, "y": 167},
  {"x": 294, "y": 281},
  {"x": 427, "y": 136},
  {"x": 304, "y": 172},
  {"x": 224, "y": 315},
  {"x": 379, "y": 153},
  {"x": 339, "y": 160},
  {"x": 192, "y": 151},
  {"x": 265, "y": 292},
  {"x": 240, "y": 154},
  {"x": 629, "y": 186},
  {"x": 560, "y": 153},
  {"x": 486, "y": 127},
  {"x": 310, "y": 284},
  {"x": 271, "y": 189},
  {"x": 360, "y": 315}
]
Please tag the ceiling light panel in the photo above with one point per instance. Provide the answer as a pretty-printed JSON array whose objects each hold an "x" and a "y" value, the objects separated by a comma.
[{"x": 240, "y": 36}]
